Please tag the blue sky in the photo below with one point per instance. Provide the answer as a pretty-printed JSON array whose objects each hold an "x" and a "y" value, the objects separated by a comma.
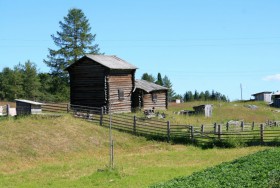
[{"x": 198, "y": 44}]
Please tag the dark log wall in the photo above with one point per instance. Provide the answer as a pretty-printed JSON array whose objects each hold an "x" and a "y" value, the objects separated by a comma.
[
  {"x": 137, "y": 99},
  {"x": 87, "y": 80},
  {"x": 160, "y": 104},
  {"x": 124, "y": 80},
  {"x": 23, "y": 108}
]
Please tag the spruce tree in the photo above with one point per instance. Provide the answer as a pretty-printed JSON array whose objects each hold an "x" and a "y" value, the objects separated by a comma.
[
  {"x": 73, "y": 41},
  {"x": 167, "y": 83},
  {"x": 159, "y": 80},
  {"x": 148, "y": 77}
]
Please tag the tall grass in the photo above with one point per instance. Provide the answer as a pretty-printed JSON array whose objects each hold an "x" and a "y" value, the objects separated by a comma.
[{"x": 41, "y": 151}]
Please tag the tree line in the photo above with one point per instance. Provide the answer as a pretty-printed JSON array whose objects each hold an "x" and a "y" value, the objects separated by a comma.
[{"x": 204, "y": 96}]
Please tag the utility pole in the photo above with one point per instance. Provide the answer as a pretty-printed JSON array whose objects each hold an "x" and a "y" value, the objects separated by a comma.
[
  {"x": 111, "y": 142},
  {"x": 241, "y": 92}
]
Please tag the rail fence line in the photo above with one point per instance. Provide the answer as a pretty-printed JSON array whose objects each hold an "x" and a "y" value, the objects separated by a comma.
[{"x": 247, "y": 132}]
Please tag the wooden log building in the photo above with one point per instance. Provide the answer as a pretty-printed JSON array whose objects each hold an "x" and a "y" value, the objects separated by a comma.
[
  {"x": 102, "y": 81},
  {"x": 148, "y": 95}
]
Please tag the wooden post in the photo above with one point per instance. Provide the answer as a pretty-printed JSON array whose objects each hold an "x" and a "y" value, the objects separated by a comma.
[
  {"x": 219, "y": 131},
  {"x": 101, "y": 116},
  {"x": 262, "y": 133},
  {"x": 8, "y": 110},
  {"x": 68, "y": 108},
  {"x": 202, "y": 129},
  {"x": 215, "y": 128},
  {"x": 253, "y": 125},
  {"x": 227, "y": 126},
  {"x": 112, "y": 155},
  {"x": 242, "y": 125},
  {"x": 134, "y": 124},
  {"x": 168, "y": 131},
  {"x": 191, "y": 133}
]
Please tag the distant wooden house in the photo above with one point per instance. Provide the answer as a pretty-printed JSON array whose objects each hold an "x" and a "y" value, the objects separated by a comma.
[
  {"x": 102, "y": 81},
  {"x": 263, "y": 96},
  {"x": 206, "y": 109},
  {"x": 27, "y": 107},
  {"x": 148, "y": 95}
]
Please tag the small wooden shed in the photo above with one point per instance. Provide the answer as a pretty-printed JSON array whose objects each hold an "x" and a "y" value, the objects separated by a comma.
[
  {"x": 27, "y": 107},
  {"x": 148, "y": 95},
  {"x": 102, "y": 81},
  {"x": 263, "y": 96},
  {"x": 205, "y": 109}
]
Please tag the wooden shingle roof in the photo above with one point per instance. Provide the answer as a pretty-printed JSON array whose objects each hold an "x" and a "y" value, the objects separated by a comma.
[{"x": 148, "y": 86}]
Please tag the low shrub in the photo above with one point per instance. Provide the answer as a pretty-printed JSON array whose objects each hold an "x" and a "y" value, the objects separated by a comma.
[{"x": 261, "y": 169}]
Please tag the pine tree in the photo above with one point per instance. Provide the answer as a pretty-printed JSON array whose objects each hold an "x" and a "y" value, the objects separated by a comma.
[
  {"x": 73, "y": 41},
  {"x": 196, "y": 95},
  {"x": 31, "y": 83},
  {"x": 159, "y": 80},
  {"x": 148, "y": 77},
  {"x": 167, "y": 83}
]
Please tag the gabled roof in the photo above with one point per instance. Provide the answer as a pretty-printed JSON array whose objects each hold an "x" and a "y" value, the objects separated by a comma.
[
  {"x": 148, "y": 86},
  {"x": 264, "y": 92},
  {"x": 109, "y": 61},
  {"x": 28, "y": 101}
]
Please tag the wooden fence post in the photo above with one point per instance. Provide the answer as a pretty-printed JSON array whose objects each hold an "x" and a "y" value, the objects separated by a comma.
[
  {"x": 215, "y": 128},
  {"x": 219, "y": 131},
  {"x": 227, "y": 126},
  {"x": 134, "y": 124},
  {"x": 262, "y": 133},
  {"x": 191, "y": 133},
  {"x": 8, "y": 110},
  {"x": 202, "y": 129},
  {"x": 168, "y": 131},
  {"x": 68, "y": 108},
  {"x": 242, "y": 125},
  {"x": 253, "y": 125},
  {"x": 101, "y": 116}
]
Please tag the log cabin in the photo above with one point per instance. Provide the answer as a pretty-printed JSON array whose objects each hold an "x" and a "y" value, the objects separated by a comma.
[
  {"x": 148, "y": 95},
  {"x": 102, "y": 81}
]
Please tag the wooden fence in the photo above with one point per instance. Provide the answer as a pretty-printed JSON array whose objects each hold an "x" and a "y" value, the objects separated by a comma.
[
  {"x": 55, "y": 108},
  {"x": 246, "y": 132},
  {"x": 164, "y": 130}
]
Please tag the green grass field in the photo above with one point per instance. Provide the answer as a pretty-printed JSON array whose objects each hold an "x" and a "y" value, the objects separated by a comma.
[{"x": 41, "y": 151}]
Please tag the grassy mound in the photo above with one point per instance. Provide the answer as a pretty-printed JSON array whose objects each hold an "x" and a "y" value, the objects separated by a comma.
[{"x": 257, "y": 170}]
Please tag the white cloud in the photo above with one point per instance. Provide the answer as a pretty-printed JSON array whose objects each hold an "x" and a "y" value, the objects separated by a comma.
[{"x": 275, "y": 77}]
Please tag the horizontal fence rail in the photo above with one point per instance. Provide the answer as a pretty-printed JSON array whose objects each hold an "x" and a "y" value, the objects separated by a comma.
[{"x": 53, "y": 107}]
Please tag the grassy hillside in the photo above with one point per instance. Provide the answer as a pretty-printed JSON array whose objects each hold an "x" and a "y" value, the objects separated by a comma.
[
  {"x": 63, "y": 151},
  {"x": 224, "y": 112}
]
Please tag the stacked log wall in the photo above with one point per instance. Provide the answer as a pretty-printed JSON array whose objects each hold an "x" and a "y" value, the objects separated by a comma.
[
  {"x": 120, "y": 80},
  {"x": 160, "y": 103},
  {"x": 87, "y": 80}
]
